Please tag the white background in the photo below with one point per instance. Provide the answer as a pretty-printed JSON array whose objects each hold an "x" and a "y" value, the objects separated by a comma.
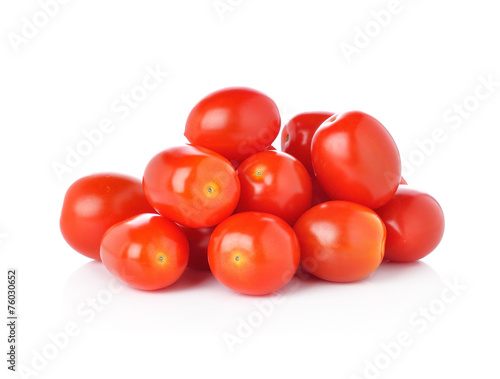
[{"x": 63, "y": 80}]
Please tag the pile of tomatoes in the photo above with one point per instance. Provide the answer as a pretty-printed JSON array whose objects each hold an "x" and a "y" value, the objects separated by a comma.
[{"x": 332, "y": 201}]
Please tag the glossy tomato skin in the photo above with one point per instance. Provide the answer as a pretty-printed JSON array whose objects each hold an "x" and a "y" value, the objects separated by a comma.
[
  {"x": 356, "y": 159},
  {"x": 198, "y": 246},
  {"x": 148, "y": 252},
  {"x": 253, "y": 253},
  {"x": 297, "y": 135},
  {"x": 340, "y": 241},
  {"x": 235, "y": 122},
  {"x": 274, "y": 182},
  {"x": 236, "y": 164},
  {"x": 192, "y": 186},
  {"x": 93, "y": 204},
  {"x": 415, "y": 225}
]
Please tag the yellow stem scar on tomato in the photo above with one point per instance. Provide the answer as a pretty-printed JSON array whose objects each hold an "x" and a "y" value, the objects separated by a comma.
[
  {"x": 237, "y": 258},
  {"x": 211, "y": 190},
  {"x": 259, "y": 173},
  {"x": 161, "y": 258}
]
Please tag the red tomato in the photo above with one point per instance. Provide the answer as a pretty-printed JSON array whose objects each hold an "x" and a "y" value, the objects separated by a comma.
[
  {"x": 198, "y": 245},
  {"x": 192, "y": 186},
  {"x": 234, "y": 122},
  {"x": 318, "y": 195},
  {"x": 297, "y": 135},
  {"x": 340, "y": 241},
  {"x": 356, "y": 159},
  {"x": 276, "y": 183},
  {"x": 237, "y": 163},
  {"x": 96, "y": 202},
  {"x": 415, "y": 225},
  {"x": 148, "y": 252},
  {"x": 253, "y": 253}
]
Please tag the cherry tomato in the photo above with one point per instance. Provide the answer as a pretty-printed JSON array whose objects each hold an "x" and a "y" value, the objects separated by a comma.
[
  {"x": 415, "y": 225},
  {"x": 96, "y": 202},
  {"x": 340, "y": 241},
  {"x": 192, "y": 186},
  {"x": 356, "y": 159},
  {"x": 148, "y": 252},
  {"x": 297, "y": 135},
  {"x": 234, "y": 122},
  {"x": 276, "y": 183},
  {"x": 198, "y": 245},
  {"x": 253, "y": 253}
]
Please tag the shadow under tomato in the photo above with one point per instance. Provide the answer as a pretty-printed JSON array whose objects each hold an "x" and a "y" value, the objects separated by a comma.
[
  {"x": 191, "y": 278},
  {"x": 92, "y": 278},
  {"x": 86, "y": 282},
  {"x": 388, "y": 274}
]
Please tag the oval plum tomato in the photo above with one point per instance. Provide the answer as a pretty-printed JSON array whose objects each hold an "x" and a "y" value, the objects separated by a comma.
[
  {"x": 192, "y": 186},
  {"x": 234, "y": 122},
  {"x": 148, "y": 252},
  {"x": 96, "y": 202},
  {"x": 340, "y": 241},
  {"x": 297, "y": 135},
  {"x": 198, "y": 246},
  {"x": 356, "y": 159},
  {"x": 276, "y": 183},
  {"x": 253, "y": 253},
  {"x": 415, "y": 225}
]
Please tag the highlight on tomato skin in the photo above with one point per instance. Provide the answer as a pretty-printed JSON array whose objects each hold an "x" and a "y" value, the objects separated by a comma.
[
  {"x": 340, "y": 241},
  {"x": 415, "y": 225},
  {"x": 356, "y": 159},
  {"x": 235, "y": 122},
  {"x": 253, "y": 253},
  {"x": 191, "y": 186},
  {"x": 147, "y": 252},
  {"x": 94, "y": 203},
  {"x": 274, "y": 182}
]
